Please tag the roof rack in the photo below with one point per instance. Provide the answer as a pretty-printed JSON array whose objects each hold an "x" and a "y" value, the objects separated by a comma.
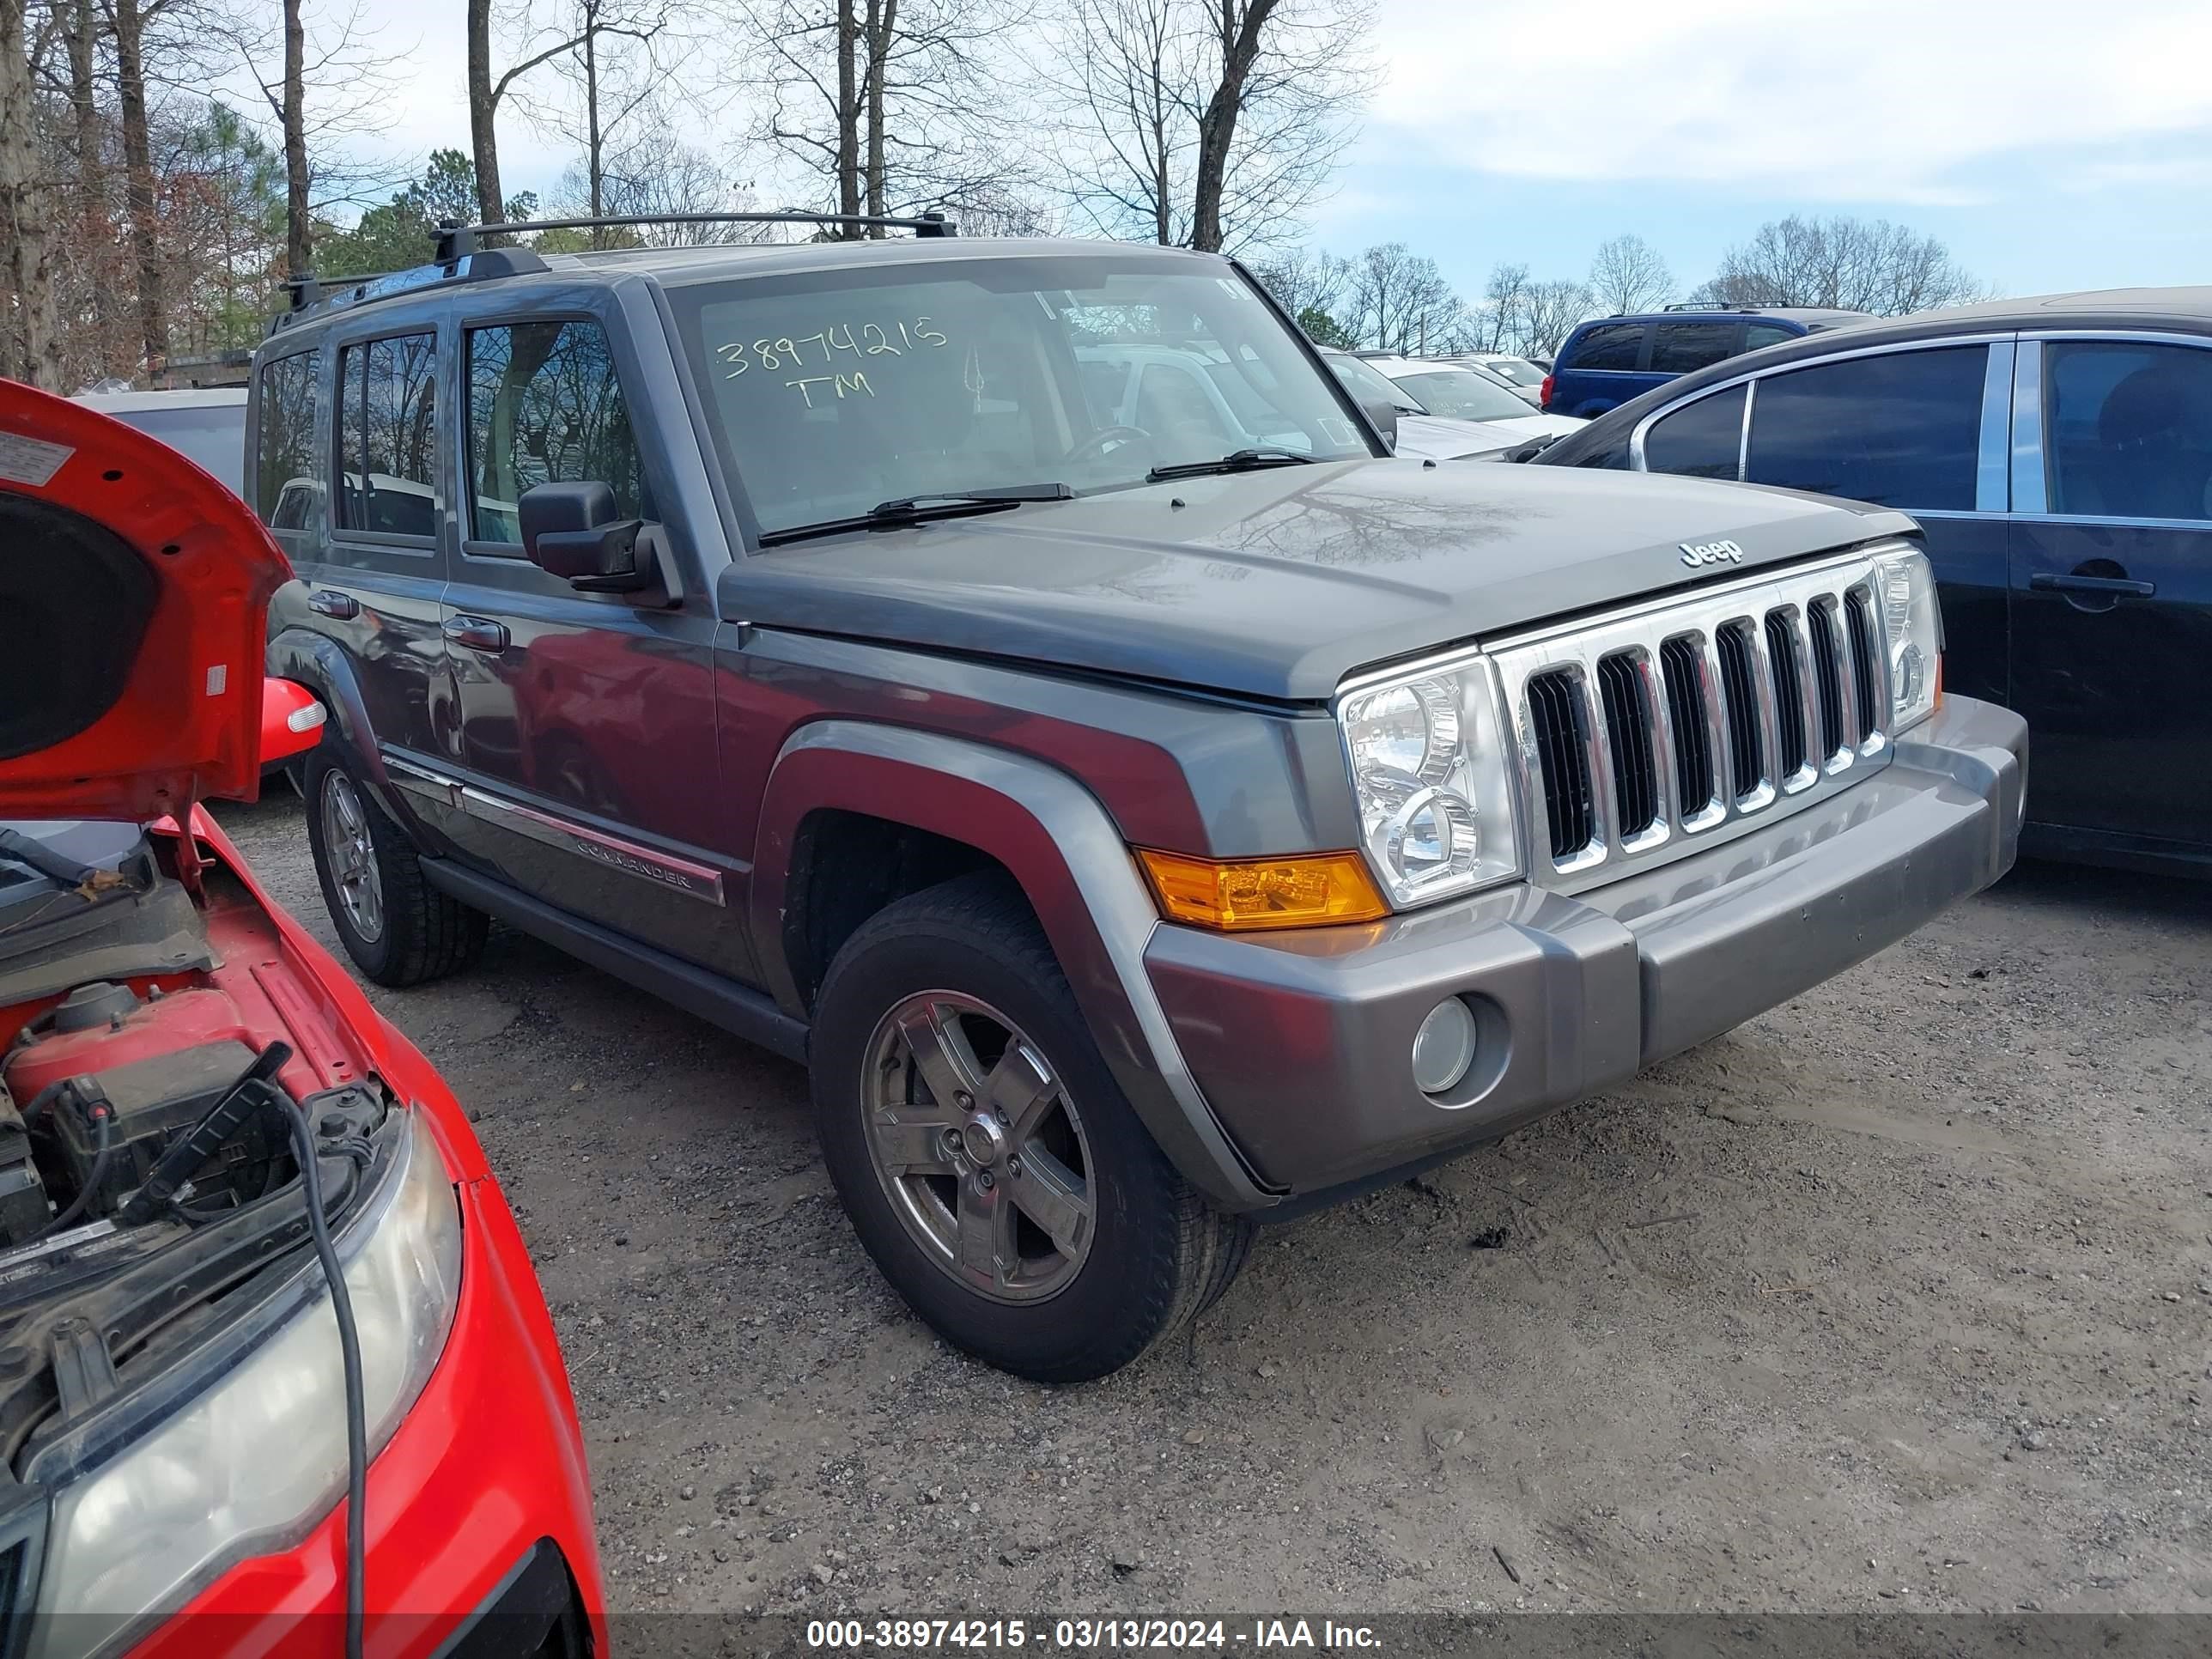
[{"x": 458, "y": 241}]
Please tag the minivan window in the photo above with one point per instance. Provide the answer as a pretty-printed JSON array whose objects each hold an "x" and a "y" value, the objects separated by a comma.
[
  {"x": 388, "y": 436},
  {"x": 545, "y": 407},
  {"x": 1610, "y": 345},
  {"x": 832, "y": 392},
  {"x": 284, "y": 488},
  {"x": 1701, "y": 440},
  {"x": 1684, "y": 348},
  {"x": 2130, "y": 430},
  {"x": 1756, "y": 335},
  {"x": 1900, "y": 429}
]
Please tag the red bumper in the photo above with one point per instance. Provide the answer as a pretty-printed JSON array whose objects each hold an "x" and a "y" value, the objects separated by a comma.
[{"x": 488, "y": 1462}]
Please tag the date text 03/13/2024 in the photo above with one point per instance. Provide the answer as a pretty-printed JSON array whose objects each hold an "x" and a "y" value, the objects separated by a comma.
[{"x": 1085, "y": 1635}]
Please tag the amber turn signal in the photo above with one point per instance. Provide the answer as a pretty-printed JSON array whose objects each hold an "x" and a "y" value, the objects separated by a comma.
[{"x": 1317, "y": 890}]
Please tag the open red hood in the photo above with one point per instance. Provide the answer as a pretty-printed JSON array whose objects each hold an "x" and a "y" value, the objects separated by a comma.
[{"x": 134, "y": 596}]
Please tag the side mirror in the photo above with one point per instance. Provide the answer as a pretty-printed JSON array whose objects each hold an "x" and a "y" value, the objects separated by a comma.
[
  {"x": 572, "y": 531},
  {"x": 291, "y": 720},
  {"x": 1385, "y": 414}
]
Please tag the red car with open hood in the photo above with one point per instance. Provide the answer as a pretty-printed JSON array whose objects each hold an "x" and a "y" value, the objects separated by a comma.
[{"x": 276, "y": 1374}]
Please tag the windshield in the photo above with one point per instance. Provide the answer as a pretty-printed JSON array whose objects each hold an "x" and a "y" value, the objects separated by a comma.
[
  {"x": 1515, "y": 370},
  {"x": 1371, "y": 384},
  {"x": 210, "y": 435},
  {"x": 832, "y": 392},
  {"x": 1464, "y": 392}
]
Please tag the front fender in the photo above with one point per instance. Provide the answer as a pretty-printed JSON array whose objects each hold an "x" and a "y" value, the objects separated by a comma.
[
  {"x": 1070, "y": 861},
  {"x": 301, "y": 654}
]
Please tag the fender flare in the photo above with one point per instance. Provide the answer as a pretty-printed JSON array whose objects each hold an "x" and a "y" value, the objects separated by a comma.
[
  {"x": 1063, "y": 849},
  {"x": 299, "y": 653}
]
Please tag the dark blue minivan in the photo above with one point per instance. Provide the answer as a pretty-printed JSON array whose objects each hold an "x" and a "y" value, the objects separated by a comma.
[{"x": 1605, "y": 363}]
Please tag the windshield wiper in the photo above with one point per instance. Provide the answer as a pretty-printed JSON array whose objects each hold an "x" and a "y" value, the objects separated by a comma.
[
  {"x": 923, "y": 508},
  {"x": 1238, "y": 460}
]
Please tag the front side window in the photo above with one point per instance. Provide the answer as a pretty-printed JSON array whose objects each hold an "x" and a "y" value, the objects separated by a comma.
[
  {"x": 285, "y": 487},
  {"x": 545, "y": 407},
  {"x": 831, "y": 393},
  {"x": 1701, "y": 440},
  {"x": 388, "y": 436},
  {"x": 2130, "y": 430},
  {"x": 1465, "y": 396},
  {"x": 1611, "y": 346},
  {"x": 1685, "y": 348},
  {"x": 1901, "y": 429}
]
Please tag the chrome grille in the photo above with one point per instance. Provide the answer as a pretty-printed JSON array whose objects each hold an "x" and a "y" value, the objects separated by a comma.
[{"x": 1644, "y": 734}]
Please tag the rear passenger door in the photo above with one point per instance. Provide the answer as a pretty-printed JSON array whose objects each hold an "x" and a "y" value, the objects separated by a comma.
[
  {"x": 589, "y": 761},
  {"x": 1602, "y": 368},
  {"x": 1924, "y": 429},
  {"x": 2111, "y": 583}
]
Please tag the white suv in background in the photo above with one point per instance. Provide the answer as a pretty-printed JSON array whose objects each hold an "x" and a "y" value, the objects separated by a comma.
[{"x": 1468, "y": 394}]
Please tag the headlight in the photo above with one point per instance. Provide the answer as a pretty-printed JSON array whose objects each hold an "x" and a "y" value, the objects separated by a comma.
[
  {"x": 1912, "y": 626},
  {"x": 255, "y": 1462},
  {"x": 1428, "y": 767}
]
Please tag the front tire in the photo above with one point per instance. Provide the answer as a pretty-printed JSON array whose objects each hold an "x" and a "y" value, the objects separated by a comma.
[
  {"x": 398, "y": 929},
  {"x": 990, "y": 1163}
]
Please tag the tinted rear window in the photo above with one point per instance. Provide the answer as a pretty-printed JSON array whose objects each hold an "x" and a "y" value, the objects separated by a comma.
[
  {"x": 1610, "y": 345},
  {"x": 1900, "y": 429},
  {"x": 1683, "y": 348},
  {"x": 285, "y": 489}
]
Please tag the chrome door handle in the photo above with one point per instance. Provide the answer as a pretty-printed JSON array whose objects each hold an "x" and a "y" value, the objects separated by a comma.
[
  {"x": 478, "y": 633},
  {"x": 329, "y": 602}
]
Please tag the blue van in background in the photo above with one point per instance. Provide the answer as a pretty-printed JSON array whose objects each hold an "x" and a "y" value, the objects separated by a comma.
[{"x": 1605, "y": 363}]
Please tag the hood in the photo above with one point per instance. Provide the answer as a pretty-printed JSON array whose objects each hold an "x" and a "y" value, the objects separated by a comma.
[
  {"x": 1277, "y": 584},
  {"x": 134, "y": 594},
  {"x": 1440, "y": 437}
]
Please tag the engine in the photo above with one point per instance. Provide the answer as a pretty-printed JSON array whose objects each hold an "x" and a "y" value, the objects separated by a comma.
[{"x": 108, "y": 1091}]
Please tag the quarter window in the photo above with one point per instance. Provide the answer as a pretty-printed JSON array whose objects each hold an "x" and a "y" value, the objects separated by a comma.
[
  {"x": 1902, "y": 429},
  {"x": 388, "y": 436},
  {"x": 2130, "y": 430},
  {"x": 545, "y": 407},
  {"x": 1702, "y": 440},
  {"x": 285, "y": 489},
  {"x": 1611, "y": 345},
  {"x": 1756, "y": 335},
  {"x": 1684, "y": 348}
]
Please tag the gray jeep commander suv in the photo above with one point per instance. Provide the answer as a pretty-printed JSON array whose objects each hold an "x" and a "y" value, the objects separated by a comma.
[{"x": 1015, "y": 679}]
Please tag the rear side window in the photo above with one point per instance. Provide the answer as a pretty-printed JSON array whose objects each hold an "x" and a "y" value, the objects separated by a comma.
[
  {"x": 1899, "y": 429},
  {"x": 1701, "y": 440},
  {"x": 545, "y": 407},
  {"x": 1610, "y": 345},
  {"x": 1756, "y": 335},
  {"x": 388, "y": 436},
  {"x": 2130, "y": 429},
  {"x": 1684, "y": 348},
  {"x": 285, "y": 489}
]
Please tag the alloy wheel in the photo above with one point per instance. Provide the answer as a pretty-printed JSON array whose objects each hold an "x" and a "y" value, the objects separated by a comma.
[{"x": 352, "y": 853}]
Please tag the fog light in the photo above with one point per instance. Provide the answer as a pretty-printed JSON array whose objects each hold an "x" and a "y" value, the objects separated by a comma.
[{"x": 1444, "y": 1046}]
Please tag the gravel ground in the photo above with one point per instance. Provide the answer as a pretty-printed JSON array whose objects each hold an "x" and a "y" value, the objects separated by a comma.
[{"x": 1899, "y": 1296}]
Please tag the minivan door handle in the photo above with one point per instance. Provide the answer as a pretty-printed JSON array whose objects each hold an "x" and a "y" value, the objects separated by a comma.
[
  {"x": 478, "y": 633},
  {"x": 2112, "y": 586},
  {"x": 329, "y": 602}
]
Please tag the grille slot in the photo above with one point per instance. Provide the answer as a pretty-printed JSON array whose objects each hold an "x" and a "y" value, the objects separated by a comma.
[
  {"x": 1693, "y": 738},
  {"x": 1788, "y": 695},
  {"x": 1629, "y": 731},
  {"x": 1827, "y": 674},
  {"x": 1560, "y": 727},
  {"x": 1740, "y": 692},
  {"x": 1860, "y": 611}
]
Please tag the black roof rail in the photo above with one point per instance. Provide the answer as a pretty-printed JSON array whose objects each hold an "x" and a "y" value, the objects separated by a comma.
[
  {"x": 312, "y": 293},
  {"x": 458, "y": 241}
]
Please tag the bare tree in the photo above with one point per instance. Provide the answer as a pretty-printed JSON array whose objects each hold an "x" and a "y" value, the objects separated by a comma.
[
  {"x": 1313, "y": 286},
  {"x": 26, "y": 218},
  {"x": 1549, "y": 312},
  {"x": 1213, "y": 124},
  {"x": 541, "y": 45},
  {"x": 1504, "y": 298},
  {"x": 1851, "y": 264},
  {"x": 1402, "y": 303},
  {"x": 1628, "y": 274}
]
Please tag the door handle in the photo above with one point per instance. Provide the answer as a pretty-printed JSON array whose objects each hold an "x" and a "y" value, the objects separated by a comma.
[
  {"x": 478, "y": 633},
  {"x": 2051, "y": 580},
  {"x": 329, "y": 602}
]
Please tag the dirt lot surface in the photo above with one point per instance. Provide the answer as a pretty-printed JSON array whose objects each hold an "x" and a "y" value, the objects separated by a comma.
[{"x": 1898, "y": 1297}]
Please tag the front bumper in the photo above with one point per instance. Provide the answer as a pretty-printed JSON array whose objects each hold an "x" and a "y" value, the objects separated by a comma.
[
  {"x": 1300, "y": 1041},
  {"x": 484, "y": 1477}
]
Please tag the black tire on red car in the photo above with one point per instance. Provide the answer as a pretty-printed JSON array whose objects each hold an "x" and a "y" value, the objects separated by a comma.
[
  {"x": 398, "y": 929},
  {"x": 991, "y": 1164}
]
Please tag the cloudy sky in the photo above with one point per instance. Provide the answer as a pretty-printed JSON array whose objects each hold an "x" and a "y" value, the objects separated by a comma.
[{"x": 2051, "y": 145}]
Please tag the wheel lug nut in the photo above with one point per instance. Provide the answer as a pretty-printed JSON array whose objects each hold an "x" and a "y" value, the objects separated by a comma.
[
  {"x": 1003, "y": 1119},
  {"x": 962, "y": 1099},
  {"x": 1013, "y": 1166},
  {"x": 984, "y": 1181}
]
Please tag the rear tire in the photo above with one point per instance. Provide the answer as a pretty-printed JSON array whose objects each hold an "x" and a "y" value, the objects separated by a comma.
[
  {"x": 958, "y": 983},
  {"x": 398, "y": 929}
]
